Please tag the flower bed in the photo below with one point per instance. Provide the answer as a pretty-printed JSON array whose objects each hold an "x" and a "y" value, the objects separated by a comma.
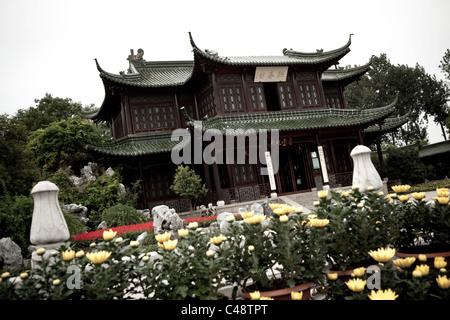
[{"x": 147, "y": 226}]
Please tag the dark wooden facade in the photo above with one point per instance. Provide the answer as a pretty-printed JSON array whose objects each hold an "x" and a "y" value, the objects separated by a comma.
[{"x": 144, "y": 105}]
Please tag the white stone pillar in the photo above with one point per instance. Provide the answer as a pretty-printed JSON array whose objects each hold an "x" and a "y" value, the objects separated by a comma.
[
  {"x": 365, "y": 174},
  {"x": 48, "y": 227}
]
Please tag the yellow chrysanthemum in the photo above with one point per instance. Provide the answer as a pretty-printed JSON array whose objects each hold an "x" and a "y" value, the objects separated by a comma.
[
  {"x": 423, "y": 268},
  {"x": 319, "y": 222},
  {"x": 193, "y": 225},
  {"x": 216, "y": 240},
  {"x": 383, "y": 295},
  {"x": 439, "y": 262},
  {"x": 322, "y": 193},
  {"x": 443, "y": 282},
  {"x": 298, "y": 209},
  {"x": 404, "y": 262},
  {"x": 163, "y": 237},
  {"x": 418, "y": 195},
  {"x": 255, "y": 219},
  {"x": 297, "y": 295},
  {"x": 284, "y": 218},
  {"x": 345, "y": 194},
  {"x": 359, "y": 272},
  {"x": 170, "y": 244},
  {"x": 403, "y": 197},
  {"x": 382, "y": 254},
  {"x": 134, "y": 243},
  {"x": 442, "y": 192},
  {"x": 332, "y": 275},
  {"x": 68, "y": 255},
  {"x": 266, "y": 298},
  {"x": 275, "y": 205},
  {"x": 416, "y": 273},
  {"x": 401, "y": 188},
  {"x": 98, "y": 257},
  {"x": 422, "y": 258},
  {"x": 356, "y": 284},
  {"x": 443, "y": 200},
  {"x": 108, "y": 235},
  {"x": 255, "y": 295},
  {"x": 246, "y": 215}
]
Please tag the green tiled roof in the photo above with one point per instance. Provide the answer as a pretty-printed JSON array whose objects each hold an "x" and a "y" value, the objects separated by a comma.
[
  {"x": 345, "y": 74},
  {"x": 297, "y": 120},
  {"x": 435, "y": 149},
  {"x": 389, "y": 124},
  {"x": 153, "y": 74},
  {"x": 138, "y": 145},
  {"x": 289, "y": 57}
]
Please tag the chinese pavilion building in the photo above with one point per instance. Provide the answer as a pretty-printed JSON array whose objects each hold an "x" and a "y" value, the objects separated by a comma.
[{"x": 298, "y": 94}]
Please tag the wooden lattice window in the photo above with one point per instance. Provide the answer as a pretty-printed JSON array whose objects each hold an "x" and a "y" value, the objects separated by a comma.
[
  {"x": 155, "y": 117},
  {"x": 257, "y": 98},
  {"x": 286, "y": 96},
  {"x": 231, "y": 98},
  {"x": 308, "y": 95}
]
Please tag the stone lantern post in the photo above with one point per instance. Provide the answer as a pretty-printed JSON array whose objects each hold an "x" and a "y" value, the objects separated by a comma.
[
  {"x": 365, "y": 174},
  {"x": 48, "y": 227}
]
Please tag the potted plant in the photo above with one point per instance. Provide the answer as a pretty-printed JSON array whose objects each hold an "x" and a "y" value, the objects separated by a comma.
[
  {"x": 277, "y": 255},
  {"x": 396, "y": 279},
  {"x": 187, "y": 268},
  {"x": 423, "y": 224},
  {"x": 359, "y": 222}
]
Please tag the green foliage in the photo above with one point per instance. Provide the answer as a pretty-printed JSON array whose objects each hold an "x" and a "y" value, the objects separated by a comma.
[
  {"x": 419, "y": 94},
  {"x": 62, "y": 144},
  {"x": 96, "y": 195},
  {"x": 405, "y": 165},
  {"x": 74, "y": 223},
  {"x": 121, "y": 215},
  {"x": 49, "y": 109},
  {"x": 15, "y": 219},
  {"x": 359, "y": 222},
  {"x": 18, "y": 170},
  {"x": 188, "y": 184},
  {"x": 430, "y": 186}
]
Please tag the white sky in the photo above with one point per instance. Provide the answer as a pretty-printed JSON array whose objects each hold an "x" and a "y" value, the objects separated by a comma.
[{"x": 50, "y": 45}]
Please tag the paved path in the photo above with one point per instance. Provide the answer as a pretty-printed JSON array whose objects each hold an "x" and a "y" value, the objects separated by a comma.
[{"x": 306, "y": 199}]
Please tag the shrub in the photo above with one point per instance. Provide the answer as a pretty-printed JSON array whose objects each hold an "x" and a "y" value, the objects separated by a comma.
[
  {"x": 405, "y": 165},
  {"x": 16, "y": 213},
  {"x": 121, "y": 214},
  {"x": 74, "y": 223}
]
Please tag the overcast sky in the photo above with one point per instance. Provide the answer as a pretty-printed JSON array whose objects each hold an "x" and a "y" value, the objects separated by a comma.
[{"x": 50, "y": 45}]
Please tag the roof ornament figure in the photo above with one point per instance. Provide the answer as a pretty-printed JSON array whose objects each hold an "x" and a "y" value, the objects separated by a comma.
[
  {"x": 136, "y": 57},
  {"x": 211, "y": 52}
]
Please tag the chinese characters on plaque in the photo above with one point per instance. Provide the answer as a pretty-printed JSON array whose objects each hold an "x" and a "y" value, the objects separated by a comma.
[{"x": 270, "y": 74}]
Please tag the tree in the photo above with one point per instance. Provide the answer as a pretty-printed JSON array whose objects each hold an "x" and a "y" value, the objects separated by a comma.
[
  {"x": 62, "y": 144},
  {"x": 419, "y": 94},
  {"x": 47, "y": 110},
  {"x": 445, "y": 64},
  {"x": 188, "y": 184},
  {"x": 18, "y": 170},
  {"x": 406, "y": 165}
]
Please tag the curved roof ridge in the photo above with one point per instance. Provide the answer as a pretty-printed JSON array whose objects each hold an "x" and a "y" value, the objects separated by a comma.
[
  {"x": 289, "y": 57},
  {"x": 341, "y": 74},
  {"x": 320, "y": 52}
]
